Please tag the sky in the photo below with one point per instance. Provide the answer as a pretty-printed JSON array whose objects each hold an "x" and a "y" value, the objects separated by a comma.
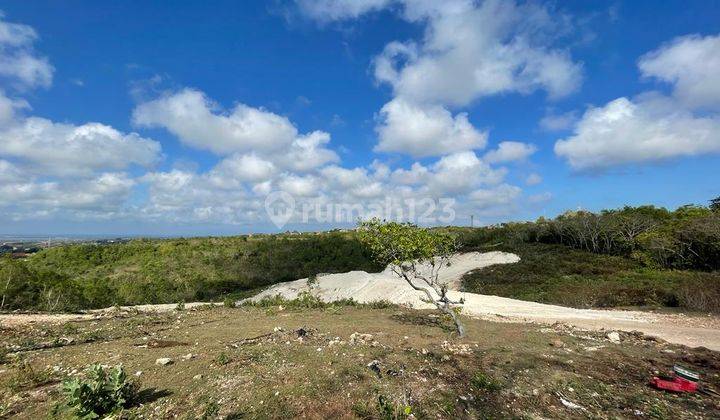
[{"x": 223, "y": 117}]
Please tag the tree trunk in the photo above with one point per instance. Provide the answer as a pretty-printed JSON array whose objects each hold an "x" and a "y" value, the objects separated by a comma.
[{"x": 456, "y": 319}]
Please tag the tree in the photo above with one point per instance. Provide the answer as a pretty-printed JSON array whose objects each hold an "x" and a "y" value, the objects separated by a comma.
[
  {"x": 715, "y": 204},
  {"x": 416, "y": 255}
]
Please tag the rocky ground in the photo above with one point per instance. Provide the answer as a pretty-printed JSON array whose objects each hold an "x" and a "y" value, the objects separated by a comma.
[{"x": 330, "y": 361}]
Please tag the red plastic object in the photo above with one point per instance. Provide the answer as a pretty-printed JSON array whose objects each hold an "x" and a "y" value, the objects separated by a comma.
[{"x": 678, "y": 384}]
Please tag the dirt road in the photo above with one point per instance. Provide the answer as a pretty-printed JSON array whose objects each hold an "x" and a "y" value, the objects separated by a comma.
[{"x": 693, "y": 331}]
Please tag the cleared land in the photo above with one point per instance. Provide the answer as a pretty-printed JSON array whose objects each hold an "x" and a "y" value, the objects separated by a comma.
[
  {"x": 411, "y": 359},
  {"x": 366, "y": 287}
]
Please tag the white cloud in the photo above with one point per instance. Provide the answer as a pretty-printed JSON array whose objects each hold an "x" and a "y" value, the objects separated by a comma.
[
  {"x": 451, "y": 175},
  {"x": 502, "y": 195},
  {"x": 18, "y": 61},
  {"x": 509, "y": 151},
  {"x": 648, "y": 128},
  {"x": 302, "y": 186},
  {"x": 248, "y": 167},
  {"x": 533, "y": 179},
  {"x": 102, "y": 194},
  {"x": 200, "y": 123},
  {"x": 9, "y": 109},
  {"x": 329, "y": 10},
  {"x": 307, "y": 152},
  {"x": 692, "y": 64},
  {"x": 471, "y": 50},
  {"x": 49, "y": 148},
  {"x": 558, "y": 122},
  {"x": 425, "y": 130}
]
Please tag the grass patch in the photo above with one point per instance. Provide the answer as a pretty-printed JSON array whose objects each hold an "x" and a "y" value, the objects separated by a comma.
[
  {"x": 561, "y": 275},
  {"x": 405, "y": 369}
]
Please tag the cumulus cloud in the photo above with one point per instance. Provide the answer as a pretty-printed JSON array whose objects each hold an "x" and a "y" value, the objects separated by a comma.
[
  {"x": 653, "y": 126},
  {"x": 329, "y": 10},
  {"x": 307, "y": 152},
  {"x": 100, "y": 195},
  {"x": 533, "y": 179},
  {"x": 248, "y": 167},
  {"x": 471, "y": 50},
  {"x": 692, "y": 64},
  {"x": 49, "y": 148},
  {"x": 425, "y": 130},
  {"x": 18, "y": 61},
  {"x": 558, "y": 122},
  {"x": 502, "y": 195},
  {"x": 648, "y": 128},
  {"x": 509, "y": 151},
  {"x": 201, "y": 123}
]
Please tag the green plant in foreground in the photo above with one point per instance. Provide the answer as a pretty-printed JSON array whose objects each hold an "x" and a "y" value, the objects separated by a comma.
[
  {"x": 180, "y": 306},
  {"x": 483, "y": 382},
  {"x": 222, "y": 359},
  {"x": 229, "y": 302},
  {"x": 100, "y": 393}
]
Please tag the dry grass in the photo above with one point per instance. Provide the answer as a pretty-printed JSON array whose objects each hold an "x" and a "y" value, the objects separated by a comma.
[{"x": 243, "y": 366}]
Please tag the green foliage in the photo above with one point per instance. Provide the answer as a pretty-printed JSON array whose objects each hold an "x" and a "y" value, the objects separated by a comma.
[
  {"x": 70, "y": 278},
  {"x": 180, "y": 306},
  {"x": 306, "y": 300},
  {"x": 715, "y": 204},
  {"x": 482, "y": 382},
  {"x": 555, "y": 274},
  {"x": 222, "y": 359},
  {"x": 397, "y": 243},
  {"x": 26, "y": 377},
  {"x": 687, "y": 238},
  {"x": 100, "y": 393},
  {"x": 229, "y": 302}
]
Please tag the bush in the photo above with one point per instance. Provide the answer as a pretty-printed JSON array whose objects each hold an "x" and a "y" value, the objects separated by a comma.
[
  {"x": 100, "y": 393},
  {"x": 229, "y": 302}
]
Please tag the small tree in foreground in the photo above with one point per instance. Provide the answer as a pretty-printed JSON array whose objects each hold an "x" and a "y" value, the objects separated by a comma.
[{"x": 417, "y": 255}]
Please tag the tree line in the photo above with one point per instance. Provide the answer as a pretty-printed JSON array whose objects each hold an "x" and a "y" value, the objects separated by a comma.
[{"x": 685, "y": 238}]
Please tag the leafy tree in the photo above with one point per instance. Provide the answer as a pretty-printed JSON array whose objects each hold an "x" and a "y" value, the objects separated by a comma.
[
  {"x": 715, "y": 204},
  {"x": 416, "y": 255}
]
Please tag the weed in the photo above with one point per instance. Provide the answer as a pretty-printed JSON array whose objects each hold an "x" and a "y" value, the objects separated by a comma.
[
  {"x": 180, "y": 306},
  {"x": 483, "y": 382},
  {"x": 3, "y": 355},
  {"x": 100, "y": 393},
  {"x": 26, "y": 377},
  {"x": 211, "y": 410},
  {"x": 387, "y": 410},
  {"x": 222, "y": 359},
  {"x": 229, "y": 302}
]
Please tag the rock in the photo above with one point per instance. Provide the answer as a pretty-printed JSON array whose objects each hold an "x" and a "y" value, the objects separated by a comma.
[
  {"x": 614, "y": 336},
  {"x": 557, "y": 343},
  {"x": 188, "y": 356},
  {"x": 375, "y": 367},
  {"x": 138, "y": 373},
  {"x": 163, "y": 361},
  {"x": 358, "y": 338},
  {"x": 197, "y": 377}
]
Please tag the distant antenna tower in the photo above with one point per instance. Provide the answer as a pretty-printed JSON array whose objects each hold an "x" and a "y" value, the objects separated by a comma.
[{"x": 472, "y": 220}]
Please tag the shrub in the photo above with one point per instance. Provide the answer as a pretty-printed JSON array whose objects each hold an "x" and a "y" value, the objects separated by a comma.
[
  {"x": 482, "y": 382},
  {"x": 100, "y": 393},
  {"x": 222, "y": 359},
  {"x": 26, "y": 377},
  {"x": 229, "y": 302}
]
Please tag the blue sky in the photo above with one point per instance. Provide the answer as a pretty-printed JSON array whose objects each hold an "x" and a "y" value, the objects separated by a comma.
[{"x": 157, "y": 118}]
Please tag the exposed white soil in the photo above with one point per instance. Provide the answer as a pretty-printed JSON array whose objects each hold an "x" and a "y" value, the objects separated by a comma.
[{"x": 366, "y": 287}]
